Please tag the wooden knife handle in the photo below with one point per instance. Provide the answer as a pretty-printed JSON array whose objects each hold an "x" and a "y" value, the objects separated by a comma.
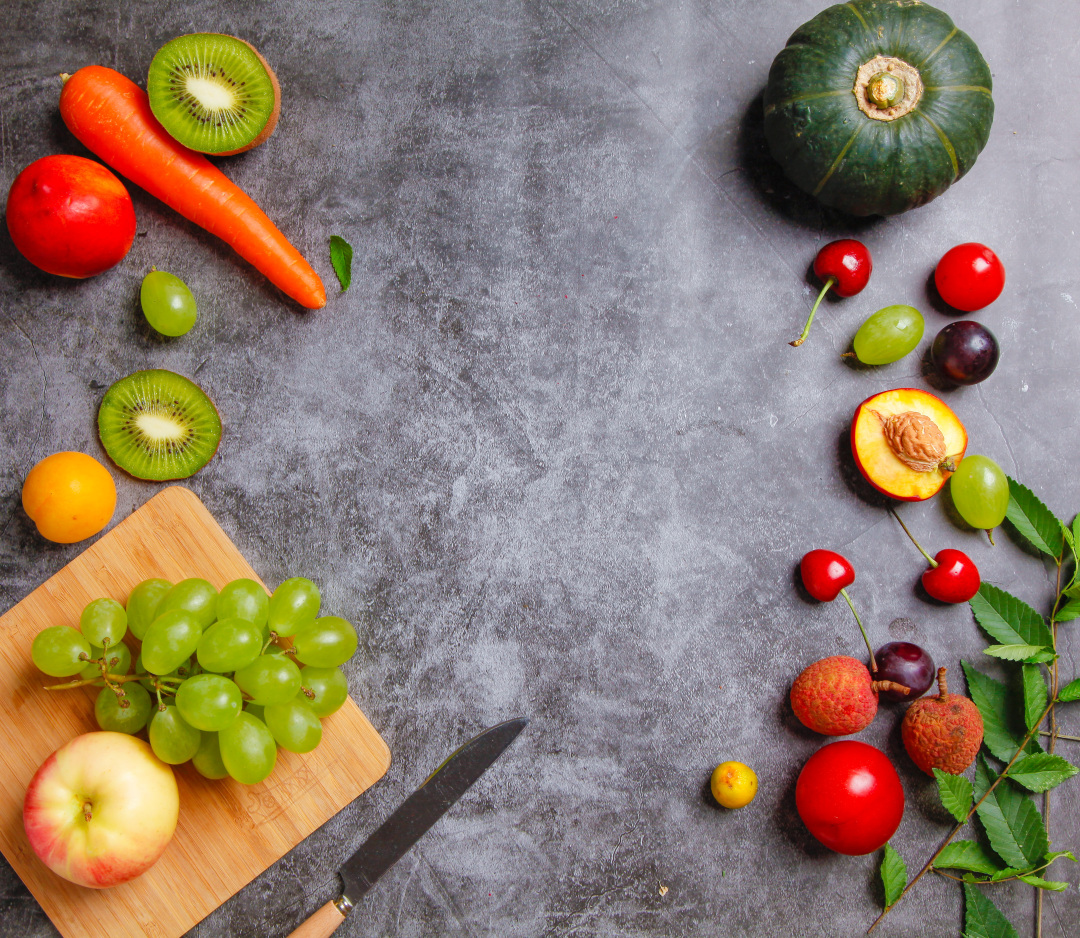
[{"x": 322, "y": 923}]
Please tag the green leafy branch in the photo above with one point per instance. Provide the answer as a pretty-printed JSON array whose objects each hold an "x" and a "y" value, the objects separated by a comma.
[{"x": 1017, "y": 846}]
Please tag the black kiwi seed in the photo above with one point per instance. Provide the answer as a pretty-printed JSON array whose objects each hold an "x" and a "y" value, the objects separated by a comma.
[
  {"x": 213, "y": 93},
  {"x": 158, "y": 425}
]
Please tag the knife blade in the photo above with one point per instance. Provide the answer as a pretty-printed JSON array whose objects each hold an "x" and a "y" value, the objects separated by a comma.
[{"x": 412, "y": 819}]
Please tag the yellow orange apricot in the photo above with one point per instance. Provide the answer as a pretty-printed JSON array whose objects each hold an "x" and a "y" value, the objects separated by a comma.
[
  {"x": 69, "y": 496},
  {"x": 733, "y": 784}
]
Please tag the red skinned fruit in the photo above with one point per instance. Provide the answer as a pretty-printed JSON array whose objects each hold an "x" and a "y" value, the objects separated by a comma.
[
  {"x": 825, "y": 574},
  {"x": 850, "y": 797},
  {"x": 70, "y": 216},
  {"x": 837, "y": 696},
  {"x": 942, "y": 732},
  {"x": 844, "y": 267},
  {"x": 952, "y": 577},
  {"x": 969, "y": 276}
]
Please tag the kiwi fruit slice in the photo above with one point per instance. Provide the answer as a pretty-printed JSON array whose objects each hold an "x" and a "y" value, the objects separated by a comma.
[
  {"x": 158, "y": 425},
  {"x": 214, "y": 93}
]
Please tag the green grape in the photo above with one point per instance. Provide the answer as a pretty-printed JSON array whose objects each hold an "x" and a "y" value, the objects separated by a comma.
[
  {"x": 245, "y": 599},
  {"x": 57, "y": 651},
  {"x": 229, "y": 644},
  {"x": 980, "y": 492},
  {"x": 167, "y": 303},
  {"x": 207, "y": 760},
  {"x": 172, "y": 738},
  {"x": 119, "y": 661},
  {"x": 112, "y": 716},
  {"x": 269, "y": 679},
  {"x": 294, "y": 725},
  {"x": 326, "y": 643},
  {"x": 888, "y": 335},
  {"x": 183, "y": 671},
  {"x": 209, "y": 701},
  {"x": 170, "y": 641},
  {"x": 195, "y": 596},
  {"x": 101, "y": 620},
  {"x": 329, "y": 686},
  {"x": 142, "y": 605},
  {"x": 294, "y": 605},
  {"x": 248, "y": 751}
]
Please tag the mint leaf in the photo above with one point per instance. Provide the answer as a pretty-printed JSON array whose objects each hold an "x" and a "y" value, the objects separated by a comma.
[
  {"x": 341, "y": 258},
  {"x": 1070, "y": 691},
  {"x": 992, "y": 699},
  {"x": 1041, "y": 771},
  {"x": 1039, "y": 883},
  {"x": 982, "y": 918},
  {"x": 893, "y": 875},
  {"x": 955, "y": 794},
  {"x": 1012, "y": 823},
  {"x": 967, "y": 855},
  {"x": 1068, "y": 612},
  {"x": 1035, "y": 694},
  {"x": 1009, "y": 620},
  {"x": 1013, "y": 652},
  {"x": 1033, "y": 520}
]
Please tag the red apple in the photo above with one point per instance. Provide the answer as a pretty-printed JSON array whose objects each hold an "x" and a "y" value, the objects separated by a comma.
[
  {"x": 101, "y": 809},
  {"x": 70, "y": 216}
]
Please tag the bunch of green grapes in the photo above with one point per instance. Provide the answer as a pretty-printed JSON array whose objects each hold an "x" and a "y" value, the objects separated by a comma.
[{"x": 214, "y": 682}]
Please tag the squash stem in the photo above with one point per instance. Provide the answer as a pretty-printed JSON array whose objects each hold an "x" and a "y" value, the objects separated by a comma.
[{"x": 806, "y": 329}]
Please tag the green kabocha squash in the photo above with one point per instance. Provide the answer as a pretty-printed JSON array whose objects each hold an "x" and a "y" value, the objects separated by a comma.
[{"x": 878, "y": 106}]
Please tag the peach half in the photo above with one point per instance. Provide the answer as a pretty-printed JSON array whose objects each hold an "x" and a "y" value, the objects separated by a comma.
[{"x": 907, "y": 443}]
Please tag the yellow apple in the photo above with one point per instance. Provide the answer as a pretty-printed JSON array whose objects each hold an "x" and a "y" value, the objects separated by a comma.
[{"x": 101, "y": 809}]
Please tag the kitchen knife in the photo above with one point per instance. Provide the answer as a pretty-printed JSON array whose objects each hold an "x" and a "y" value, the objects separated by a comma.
[{"x": 409, "y": 823}]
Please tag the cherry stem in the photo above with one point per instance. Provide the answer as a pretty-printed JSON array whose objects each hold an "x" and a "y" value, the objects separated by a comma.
[
  {"x": 806, "y": 329},
  {"x": 851, "y": 605},
  {"x": 930, "y": 560}
]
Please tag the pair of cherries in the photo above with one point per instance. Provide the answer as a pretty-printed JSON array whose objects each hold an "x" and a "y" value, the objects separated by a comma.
[{"x": 952, "y": 577}]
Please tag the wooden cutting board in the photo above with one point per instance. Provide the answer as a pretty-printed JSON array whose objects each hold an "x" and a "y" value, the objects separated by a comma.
[{"x": 228, "y": 833}]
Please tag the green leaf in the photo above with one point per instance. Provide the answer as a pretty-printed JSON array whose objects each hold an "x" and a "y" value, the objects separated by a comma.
[
  {"x": 955, "y": 794},
  {"x": 1068, "y": 612},
  {"x": 341, "y": 258},
  {"x": 967, "y": 855},
  {"x": 893, "y": 875},
  {"x": 1043, "y": 656},
  {"x": 1009, "y": 620},
  {"x": 1013, "y": 652},
  {"x": 1070, "y": 691},
  {"x": 982, "y": 918},
  {"x": 992, "y": 699},
  {"x": 1033, "y": 520},
  {"x": 1040, "y": 883},
  {"x": 1012, "y": 823},
  {"x": 1008, "y": 873},
  {"x": 1041, "y": 771},
  {"x": 1057, "y": 855},
  {"x": 1035, "y": 694}
]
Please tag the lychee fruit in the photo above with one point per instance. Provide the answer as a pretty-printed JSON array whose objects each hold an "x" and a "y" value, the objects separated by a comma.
[
  {"x": 942, "y": 732},
  {"x": 837, "y": 696}
]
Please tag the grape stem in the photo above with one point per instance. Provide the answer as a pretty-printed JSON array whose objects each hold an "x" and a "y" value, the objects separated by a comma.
[
  {"x": 113, "y": 678},
  {"x": 806, "y": 329},
  {"x": 930, "y": 560},
  {"x": 851, "y": 605}
]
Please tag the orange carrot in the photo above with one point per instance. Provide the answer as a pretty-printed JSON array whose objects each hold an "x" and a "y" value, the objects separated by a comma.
[{"x": 111, "y": 116}]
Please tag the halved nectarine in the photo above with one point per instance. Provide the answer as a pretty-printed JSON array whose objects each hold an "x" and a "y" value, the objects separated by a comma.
[{"x": 907, "y": 443}]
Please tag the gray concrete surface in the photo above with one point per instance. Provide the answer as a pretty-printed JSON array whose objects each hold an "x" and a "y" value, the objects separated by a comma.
[{"x": 552, "y": 450}]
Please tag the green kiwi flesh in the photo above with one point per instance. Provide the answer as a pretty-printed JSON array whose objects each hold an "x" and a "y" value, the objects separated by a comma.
[
  {"x": 213, "y": 93},
  {"x": 158, "y": 425}
]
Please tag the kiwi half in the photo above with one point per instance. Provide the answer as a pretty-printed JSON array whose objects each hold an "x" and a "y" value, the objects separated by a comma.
[
  {"x": 158, "y": 425},
  {"x": 213, "y": 93}
]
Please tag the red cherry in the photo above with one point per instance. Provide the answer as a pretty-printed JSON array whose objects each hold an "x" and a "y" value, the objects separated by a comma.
[
  {"x": 825, "y": 573},
  {"x": 844, "y": 266},
  {"x": 850, "y": 797},
  {"x": 955, "y": 579},
  {"x": 969, "y": 276}
]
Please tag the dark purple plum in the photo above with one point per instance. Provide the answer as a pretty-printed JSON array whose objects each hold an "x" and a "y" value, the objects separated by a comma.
[
  {"x": 965, "y": 352},
  {"x": 907, "y": 664}
]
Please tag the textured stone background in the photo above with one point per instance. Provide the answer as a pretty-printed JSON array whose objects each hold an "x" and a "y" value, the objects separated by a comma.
[{"x": 552, "y": 450}]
